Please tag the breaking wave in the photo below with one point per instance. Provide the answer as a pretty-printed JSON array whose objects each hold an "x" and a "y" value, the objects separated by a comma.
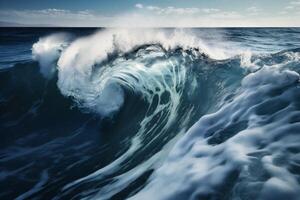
[{"x": 194, "y": 121}]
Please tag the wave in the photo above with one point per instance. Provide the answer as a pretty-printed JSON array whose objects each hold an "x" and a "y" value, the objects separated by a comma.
[
  {"x": 78, "y": 60},
  {"x": 157, "y": 70},
  {"x": 188, "y": 119}
]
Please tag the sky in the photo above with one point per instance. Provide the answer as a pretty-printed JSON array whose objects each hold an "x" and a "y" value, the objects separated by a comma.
[{"x": 155, "y": 13}]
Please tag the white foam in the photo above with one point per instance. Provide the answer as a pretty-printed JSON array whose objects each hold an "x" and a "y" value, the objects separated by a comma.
[{"x": 255, "y": 157}]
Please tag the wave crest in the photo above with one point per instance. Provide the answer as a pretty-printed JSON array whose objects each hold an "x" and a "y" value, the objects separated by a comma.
[{"x": 78, "y": 59}]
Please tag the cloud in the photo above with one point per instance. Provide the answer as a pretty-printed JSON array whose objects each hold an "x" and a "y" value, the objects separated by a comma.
[
  {"x": 210, "y": 10},
  {"x": 220, "y": 19},
  {"x": 138, "y": 5},
  {"x": 51, "y": 12},
  {"x": 174, "y": 12},
  {"x": 179, "y": 11},
  {"x": 154, "y": 8},
  {"x": 152, "y": 16},
  {"x": 283, "y": 12},
  {"x": 170, "y": 10},
  {"x": 253, "y": 10},
  {"x": 296, "y": 3},
  {"x": 292, "y": 8},
  {"x": 226, "y": 15},
  {"x": 289, "y": 7},
  {"x": 53, "y": 16},
  {"x": 293, "y": 5}
]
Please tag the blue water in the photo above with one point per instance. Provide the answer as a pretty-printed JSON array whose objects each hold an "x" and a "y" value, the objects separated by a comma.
[{"x": 149, "y": 113}]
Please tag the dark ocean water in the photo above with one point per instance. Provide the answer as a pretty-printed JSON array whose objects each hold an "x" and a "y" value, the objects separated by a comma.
[{"x": 150, "y": 113}]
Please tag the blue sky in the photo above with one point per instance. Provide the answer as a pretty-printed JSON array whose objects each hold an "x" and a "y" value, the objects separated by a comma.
[{"x": 204, "y": 13}]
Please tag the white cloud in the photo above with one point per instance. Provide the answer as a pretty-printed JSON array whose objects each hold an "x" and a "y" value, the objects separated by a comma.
[
  {"x": 51, "y": 12},
  {"x": 171, "y": 10},
  {"x": 53, "y": 16},
  {"x": 226, "y": 15},
  {"x": 296, "y": 3},
  {"x": 289, "y": 7},
  {"x": 154, "y": 8},
  {"x": 293, "y": 5},
  {"x": 220, "y": 19},
  {"x": 153, "y": 16},
  {"x": 138, "y": 5},
  {"x": 283, "y": 12},
  {"x": 253, "y": 10},
  {"x": 210, "y": 10},
  {"x": 180, "y": 11},
  {"x": 292, "y": 8}
]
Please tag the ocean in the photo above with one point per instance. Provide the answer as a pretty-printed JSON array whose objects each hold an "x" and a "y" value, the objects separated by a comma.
[{"x": 162, "y": 113}]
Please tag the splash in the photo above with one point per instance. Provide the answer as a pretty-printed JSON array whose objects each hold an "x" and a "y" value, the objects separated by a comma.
[{"x": 47, "y": 51}]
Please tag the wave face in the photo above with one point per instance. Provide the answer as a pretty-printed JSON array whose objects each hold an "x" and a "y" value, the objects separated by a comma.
[{"x": 153, "y": 114}]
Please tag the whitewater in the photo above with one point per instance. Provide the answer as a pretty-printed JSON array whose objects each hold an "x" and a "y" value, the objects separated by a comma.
[{"x": 152, "y": 114}]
